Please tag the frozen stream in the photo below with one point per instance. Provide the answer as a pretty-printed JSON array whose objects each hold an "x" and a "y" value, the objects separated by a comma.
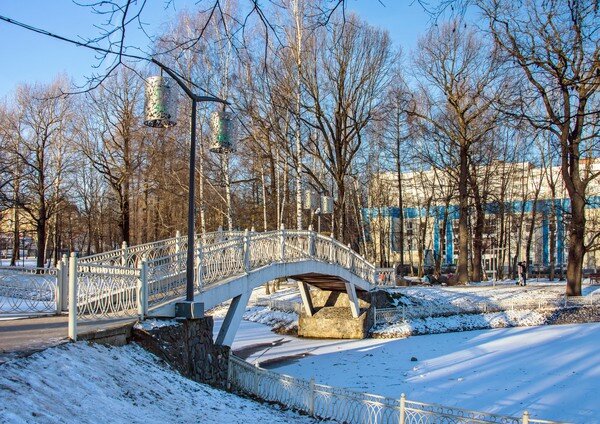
[{"x": 551, "y": 371}]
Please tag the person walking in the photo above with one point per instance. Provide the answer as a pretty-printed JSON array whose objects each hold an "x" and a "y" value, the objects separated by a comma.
[{"x": 522, "y": 270}]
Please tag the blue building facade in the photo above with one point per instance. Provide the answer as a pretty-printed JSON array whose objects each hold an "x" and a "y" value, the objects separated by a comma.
[{"x": 389, "y": 216}]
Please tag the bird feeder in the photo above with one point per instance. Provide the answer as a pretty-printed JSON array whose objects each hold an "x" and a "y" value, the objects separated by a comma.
[
  {"x": 160, "y": 109},
  {"x": 326, "y": 204},
  {"x": 223, "y": 132},
  {"x": 311, "y": 200}
]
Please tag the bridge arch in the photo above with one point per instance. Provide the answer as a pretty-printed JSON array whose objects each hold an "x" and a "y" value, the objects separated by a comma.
[{"x": 329, "y": 276}]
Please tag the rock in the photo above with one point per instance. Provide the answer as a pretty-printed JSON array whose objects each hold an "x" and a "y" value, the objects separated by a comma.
[{"x": 413, "y": 359}]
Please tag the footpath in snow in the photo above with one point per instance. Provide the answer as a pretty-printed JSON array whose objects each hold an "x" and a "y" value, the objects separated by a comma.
[{"x": 80, "y": 383}]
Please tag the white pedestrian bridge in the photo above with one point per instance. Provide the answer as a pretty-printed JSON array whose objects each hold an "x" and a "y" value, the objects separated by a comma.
[{"x": 149, "y": 279}]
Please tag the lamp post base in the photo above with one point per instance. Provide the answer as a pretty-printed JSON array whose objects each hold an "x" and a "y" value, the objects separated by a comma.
[{"x": 189, "y": 310}]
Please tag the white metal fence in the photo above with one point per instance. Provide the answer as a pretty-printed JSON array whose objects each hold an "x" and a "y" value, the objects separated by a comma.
[
  {"x": 431, "y": 310},
  {"x": 31, "y": 290},
  {"x": 350, "y": 407}
]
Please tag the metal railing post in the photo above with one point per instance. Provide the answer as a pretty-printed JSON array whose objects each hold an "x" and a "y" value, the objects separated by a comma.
[
  {"x": 350, "y": 258},
  {"x": 199, "y": 268},
  {"x": 177, "y": 241},
  {"x": 142, "y": 293},
  {"x": 177, "y": 250},
  {"x": 402, "y": 408},
  {"x": 247, "y": 250},
  {"x": 59, "y": 287},
  {"x": 311, "y": 397},
  {"x": 124, "y": 253},
  {"x": 331, "y": 249},
  {"x": 229, "y": 372},
  {"x": 312, "y": 243},
  {"x": 282, "y": 243},
  {"x": 73, "y": 297},
  {"x": 65, "y": 282}
]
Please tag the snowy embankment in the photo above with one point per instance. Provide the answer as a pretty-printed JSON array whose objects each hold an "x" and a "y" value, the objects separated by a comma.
[
  {"x": 461, "y": 322},
  {"x": 280, "y": 321},
  {"x": 551, "y": 371},
  {"x": 463, "y": 308},
  {"x": 80, "y": 383}
]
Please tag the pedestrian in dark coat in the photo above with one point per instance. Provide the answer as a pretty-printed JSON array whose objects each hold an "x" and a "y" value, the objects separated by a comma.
[{"x": 522, "y": 270}]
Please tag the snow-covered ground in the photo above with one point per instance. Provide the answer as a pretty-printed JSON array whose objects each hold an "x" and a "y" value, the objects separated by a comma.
[
  {"x": 80, "y": 383},
  {"x": 506, "y": 292},
  {"x": 551, "y": 371}
]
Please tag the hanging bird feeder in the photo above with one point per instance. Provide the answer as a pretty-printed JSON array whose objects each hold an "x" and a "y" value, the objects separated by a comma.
[
  {"x": 223, "y": 132},
  {"x": 326, "y": 204},
  {"x": 160, "y": 109}
]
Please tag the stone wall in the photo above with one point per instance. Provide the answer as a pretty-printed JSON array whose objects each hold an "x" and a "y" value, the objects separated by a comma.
[{"x": 189, "y": 348}]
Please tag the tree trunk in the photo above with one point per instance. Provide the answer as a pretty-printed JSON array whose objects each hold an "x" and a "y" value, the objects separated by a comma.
[
  {"x": 552, "y": 239},
  {"x": 124, "y": 206},
  {"x": 576, "y": 246},
  {"x": 442, "y": 235},
  {"x": 400, "y": 206},
  {"x": 16, "y": 240},
  {"x": 463, "y": 230},
  {"x": 40, "y": 229},
  {"x": 478, "y": 242}
]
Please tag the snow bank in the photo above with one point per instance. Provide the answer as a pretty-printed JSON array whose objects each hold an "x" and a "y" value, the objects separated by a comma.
[
  {"x": 436, "y": 325},
  {"x": 82, "y": 383},
  {"x": 278, "y": 320}
]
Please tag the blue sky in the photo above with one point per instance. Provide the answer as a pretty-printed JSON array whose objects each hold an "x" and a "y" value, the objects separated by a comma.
[{"x": 30, "y": 57}]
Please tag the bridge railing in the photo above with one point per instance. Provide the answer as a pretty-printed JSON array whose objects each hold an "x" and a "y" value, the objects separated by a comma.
[
  {"x": 107, "y": 291},
  {"x": 235, "y": 257},
  {"x": 343, "y": 405},
  {"x": 30, "y": 290},
  {"x": 126, "y": 282},
  {"x": 132, "y": 255}
]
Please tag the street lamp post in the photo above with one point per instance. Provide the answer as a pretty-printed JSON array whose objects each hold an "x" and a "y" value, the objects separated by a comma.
[
  {"x": 318, "y": 204},
  {"x": 160, "y": 113}
]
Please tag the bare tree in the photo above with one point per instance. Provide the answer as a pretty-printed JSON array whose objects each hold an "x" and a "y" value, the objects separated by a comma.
[
  {"x": 113, "y": 139},
  {"x": 556, "y": 46},
  {"x": 344, "y": 79},
  {"x": 42, "y": 129},
  {"x": 460, "y": 84}
]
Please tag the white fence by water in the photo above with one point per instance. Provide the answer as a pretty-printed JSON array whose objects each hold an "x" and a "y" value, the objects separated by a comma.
[{"x": 343, "y": 405}]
